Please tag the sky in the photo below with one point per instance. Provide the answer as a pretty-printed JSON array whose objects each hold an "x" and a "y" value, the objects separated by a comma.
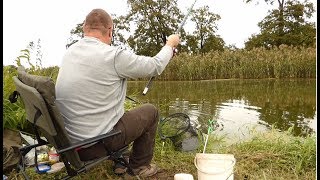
[{"x": 52, "y": 21}]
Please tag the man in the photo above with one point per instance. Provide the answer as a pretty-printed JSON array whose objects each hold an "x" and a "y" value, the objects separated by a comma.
[{"x": 91, "y": 90}]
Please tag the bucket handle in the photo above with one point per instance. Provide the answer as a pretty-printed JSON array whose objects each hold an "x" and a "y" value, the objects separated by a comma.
[{"x": 195, "y": 163}]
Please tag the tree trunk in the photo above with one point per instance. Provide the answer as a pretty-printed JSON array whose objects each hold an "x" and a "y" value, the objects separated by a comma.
[{"x": 280, "y": 21}]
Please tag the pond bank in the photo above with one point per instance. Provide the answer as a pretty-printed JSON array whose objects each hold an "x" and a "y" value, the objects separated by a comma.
[{"x": 270, "y": 155}]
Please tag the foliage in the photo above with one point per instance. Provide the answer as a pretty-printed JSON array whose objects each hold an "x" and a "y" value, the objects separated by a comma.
[
  {"x": 154, "y": 21},
  {"x": 26, "y": 56},
  {"x": 14, "y": 116},
  {"x": 120, "y": 24},
  {"x": 205, "y": 30},
  {"x": 76, "y": 35},
  {"x": 286, "y": 25},
  {"x": 213, "y": 43}
]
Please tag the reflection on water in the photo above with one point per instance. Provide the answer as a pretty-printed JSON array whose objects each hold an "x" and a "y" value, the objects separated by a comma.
[{"x": 238, "y": 106}]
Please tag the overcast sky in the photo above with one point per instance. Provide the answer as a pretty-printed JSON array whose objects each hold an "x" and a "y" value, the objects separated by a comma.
[{"x": 51, "y": 21}]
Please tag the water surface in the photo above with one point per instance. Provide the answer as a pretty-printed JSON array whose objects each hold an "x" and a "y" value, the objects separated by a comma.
[{"x": 238, "y": 106}]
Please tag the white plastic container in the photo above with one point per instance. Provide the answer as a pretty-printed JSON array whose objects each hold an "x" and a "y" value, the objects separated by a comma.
[
  {"x": 214, "y": 166},
  {"x": 183, "y": 176}
]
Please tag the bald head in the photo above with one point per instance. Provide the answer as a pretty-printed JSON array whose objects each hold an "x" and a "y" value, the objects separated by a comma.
[{"x": 97, "y": 20}]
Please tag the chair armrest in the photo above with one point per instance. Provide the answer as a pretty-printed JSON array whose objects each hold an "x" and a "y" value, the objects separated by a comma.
[{"x": 88, "y": 141}]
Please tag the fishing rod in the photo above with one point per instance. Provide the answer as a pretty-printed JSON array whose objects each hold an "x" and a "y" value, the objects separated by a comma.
[
  {"x": 136, "y": 101},
  {"x": 175, "y": 50}
]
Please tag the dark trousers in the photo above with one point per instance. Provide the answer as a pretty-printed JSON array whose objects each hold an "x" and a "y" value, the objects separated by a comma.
[{"x": 138, "y": 126}]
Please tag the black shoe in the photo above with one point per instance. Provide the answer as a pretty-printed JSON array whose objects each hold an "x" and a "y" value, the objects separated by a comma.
[{"x": 119, "y": 169}]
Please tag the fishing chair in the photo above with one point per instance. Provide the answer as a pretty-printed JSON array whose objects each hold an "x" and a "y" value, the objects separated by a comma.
[{"x": 38, "y": 96}]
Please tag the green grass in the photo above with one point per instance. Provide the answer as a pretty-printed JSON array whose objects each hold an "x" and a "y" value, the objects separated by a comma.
[
  {"x": 269, "y": 155},
  {"x": 276, "y": 156}
]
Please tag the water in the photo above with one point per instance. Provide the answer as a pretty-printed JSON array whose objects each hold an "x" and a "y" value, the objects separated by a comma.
[{"x": 238, "y": 106}]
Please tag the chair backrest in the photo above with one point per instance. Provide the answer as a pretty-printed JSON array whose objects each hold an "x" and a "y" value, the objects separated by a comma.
[{"x": 38, "y": 95}]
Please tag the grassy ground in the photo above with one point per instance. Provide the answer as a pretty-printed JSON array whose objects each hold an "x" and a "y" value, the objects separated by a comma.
[{"x": 271, "y": 155}]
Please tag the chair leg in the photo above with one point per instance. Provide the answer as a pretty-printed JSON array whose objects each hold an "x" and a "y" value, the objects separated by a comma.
[
  {"x": 118, "y": 157},
  {"x": 21, "y": 169},
  {"x": 67, "y": 177},
  {"x": 125, "y": 162},
  {"x": 70, "y": 171}
]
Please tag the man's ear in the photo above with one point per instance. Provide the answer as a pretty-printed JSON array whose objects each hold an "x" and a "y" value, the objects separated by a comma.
[
  {"x": 110, "y": 33},
  {"x": 83, "y": 25}
]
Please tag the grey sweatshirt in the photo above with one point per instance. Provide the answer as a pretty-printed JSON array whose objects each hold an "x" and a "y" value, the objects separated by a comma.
[{"x": 91, "y": 84}]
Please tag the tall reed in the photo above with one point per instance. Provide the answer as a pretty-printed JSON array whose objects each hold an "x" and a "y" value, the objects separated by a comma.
[{"x": 279, "y": 62}]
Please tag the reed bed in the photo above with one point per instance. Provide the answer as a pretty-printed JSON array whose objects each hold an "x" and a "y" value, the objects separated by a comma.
[{"x": 279, "y": 62}]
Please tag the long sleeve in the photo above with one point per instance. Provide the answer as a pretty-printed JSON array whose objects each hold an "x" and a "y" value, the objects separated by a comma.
[{"x": 130, "y": 65}]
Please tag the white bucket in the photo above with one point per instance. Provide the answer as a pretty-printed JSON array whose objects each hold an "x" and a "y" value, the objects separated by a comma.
[{"x": 214, "y": 166}]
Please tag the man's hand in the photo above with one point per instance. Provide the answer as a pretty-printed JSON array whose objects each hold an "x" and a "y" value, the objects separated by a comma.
[{"x": 173, "y": 40}]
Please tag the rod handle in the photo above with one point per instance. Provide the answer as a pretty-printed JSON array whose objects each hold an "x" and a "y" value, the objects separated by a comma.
[{"x": 147, "y": 86}]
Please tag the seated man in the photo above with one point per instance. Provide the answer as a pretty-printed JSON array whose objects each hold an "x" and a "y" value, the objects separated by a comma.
[{"x": 91, "y": 90}]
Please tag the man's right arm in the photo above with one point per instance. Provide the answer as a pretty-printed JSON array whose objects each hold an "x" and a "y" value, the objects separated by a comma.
[{"x": 130, "y": 65}]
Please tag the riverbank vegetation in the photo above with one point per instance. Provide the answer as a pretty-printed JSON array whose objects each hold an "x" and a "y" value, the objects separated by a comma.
[
  {"x": 269, "y": 155},
  {"x": 280, "y": 62}
]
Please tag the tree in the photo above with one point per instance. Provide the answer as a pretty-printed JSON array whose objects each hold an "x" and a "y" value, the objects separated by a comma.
[
  {"x": 190, "y": 45},
  {"x": 155, "y": 21},
  {"x": 279, "y": 18},
  {"x": 213, "y": 43},
  {"x": 205, "y": 31},
  {"x": 286, "y": 25},
  {"x": 76, "y": 35},
  {"x": 120, "y": 26}
]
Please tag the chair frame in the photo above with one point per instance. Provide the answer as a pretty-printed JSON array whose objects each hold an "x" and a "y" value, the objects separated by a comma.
[{"x": 116, "y": 156}]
